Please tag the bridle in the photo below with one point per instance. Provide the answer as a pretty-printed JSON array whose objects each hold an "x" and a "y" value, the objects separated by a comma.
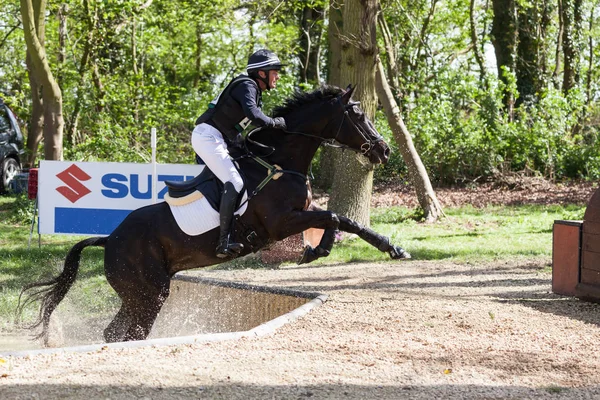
[
  {"x": 368, "y": 143},
  {"x": 365, "y": 148},
  {"x": 274, "y": 171}
]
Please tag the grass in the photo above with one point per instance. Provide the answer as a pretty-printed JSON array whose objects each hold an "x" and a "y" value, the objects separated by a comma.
[{"x": 467, "y": 235}]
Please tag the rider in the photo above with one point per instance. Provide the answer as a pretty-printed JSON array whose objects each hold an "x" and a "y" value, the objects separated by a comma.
[{"x": 221, "y": 126}]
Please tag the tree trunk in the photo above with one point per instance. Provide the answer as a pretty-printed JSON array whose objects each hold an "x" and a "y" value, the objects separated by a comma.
[
  {"x": 589, "y": 76},
  {"x": 546, "y": 21},
  {"x": 63, "y": 10},
  {"x": 418, "y": 174},
  {"x": 74, "y": 136},
  {"x": 327, "y": 160},
  {"x": 51, "y": 94},
  {"x": 134, "y": 65},
  {"x": 310, "y": 43},
  {"x": 35, "y": 133},
  {"x": 530, "y": 51},
  {"x": 393, "y": 71},
  {"x": 314, "y": 74},
  {"x": 504, "y": 39},
  {"x": 477, "y": 51},
  {"x": 353, "y": 180},
  {"x": 198, "y": 54},
  {"x": 572, "y": 18},
  {"x": 559, "y": 41},
  {"x": 101, "y": 93}
]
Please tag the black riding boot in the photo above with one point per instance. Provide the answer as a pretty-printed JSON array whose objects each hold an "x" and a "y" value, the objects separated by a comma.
[{"x": 226, "y": 248}]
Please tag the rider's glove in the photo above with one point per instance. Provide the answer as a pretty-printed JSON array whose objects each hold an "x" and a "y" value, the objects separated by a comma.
[
  {"x": 279, "y": 123},
  {"x": 238, "y": 141}
]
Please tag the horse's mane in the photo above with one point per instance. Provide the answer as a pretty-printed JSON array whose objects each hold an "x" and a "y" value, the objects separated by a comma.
[
  {"x": 300, "y": 99},
  {"x": 274, "y": 137}
]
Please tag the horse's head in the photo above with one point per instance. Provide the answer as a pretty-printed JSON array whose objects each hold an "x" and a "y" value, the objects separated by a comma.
[
  {"x": 357, "y": 132},
  {"x": 329, "y": 114}
]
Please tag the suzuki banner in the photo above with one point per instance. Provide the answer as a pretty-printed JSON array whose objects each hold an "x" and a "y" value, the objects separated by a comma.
[{"x": 90, "y": 198}]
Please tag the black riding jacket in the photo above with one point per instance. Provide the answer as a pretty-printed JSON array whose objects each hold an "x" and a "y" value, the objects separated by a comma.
[{"x": 236, "y": 107}]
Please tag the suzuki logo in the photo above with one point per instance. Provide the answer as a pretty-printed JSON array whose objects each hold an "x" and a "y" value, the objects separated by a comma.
[{"x": 74, "y": 189}]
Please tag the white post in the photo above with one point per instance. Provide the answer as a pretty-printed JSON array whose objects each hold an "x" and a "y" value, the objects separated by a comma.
[{"x": 154, "y": 177}]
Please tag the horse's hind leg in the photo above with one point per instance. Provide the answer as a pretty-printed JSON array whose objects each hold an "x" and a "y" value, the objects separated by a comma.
[
  {"x": 115, "y": 331},
  {"x": 144, "y": 315},
  {"x": 134, "y": 324},
  {"x": 140, "y": 278},
  {"x": 322, "y": 250}
]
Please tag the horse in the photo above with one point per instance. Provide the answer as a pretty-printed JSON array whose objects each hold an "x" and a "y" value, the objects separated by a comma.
[{"x": 148, "y": 247}]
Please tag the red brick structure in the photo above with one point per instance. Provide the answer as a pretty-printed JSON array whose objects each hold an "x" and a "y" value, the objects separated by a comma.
[
  {"x": 589, "y": 273},
  {"x": 576, "y": 254}
]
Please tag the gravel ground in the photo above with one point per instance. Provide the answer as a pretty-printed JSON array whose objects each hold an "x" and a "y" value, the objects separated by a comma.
[{"x": 410, "y": 329}]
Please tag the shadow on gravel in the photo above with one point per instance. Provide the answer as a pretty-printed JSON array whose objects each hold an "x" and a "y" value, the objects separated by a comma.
[
  {"x": 519, "y": 277},
  {"x": 523, "y": 286},
  {"x": 239, "y": 391},
  {"x": 550, "y": 303}
]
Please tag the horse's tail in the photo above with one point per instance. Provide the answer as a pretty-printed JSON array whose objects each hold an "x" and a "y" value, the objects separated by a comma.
[{"x": 54, "y": 290}]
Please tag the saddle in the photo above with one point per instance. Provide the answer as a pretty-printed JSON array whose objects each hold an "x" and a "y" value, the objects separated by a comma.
[
  {"x": 186, "y": 198},
  {"x": 205, "y": 185}
]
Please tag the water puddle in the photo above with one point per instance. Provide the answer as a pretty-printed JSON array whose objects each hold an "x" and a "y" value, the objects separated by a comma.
[{"x": 198, "y": 309}]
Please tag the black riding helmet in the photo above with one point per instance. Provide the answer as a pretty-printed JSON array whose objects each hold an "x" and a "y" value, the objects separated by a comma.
[{"x": 263, "y": 60}]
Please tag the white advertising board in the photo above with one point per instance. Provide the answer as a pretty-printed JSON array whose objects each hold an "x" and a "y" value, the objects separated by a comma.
[{"x": 89, "y": 198}]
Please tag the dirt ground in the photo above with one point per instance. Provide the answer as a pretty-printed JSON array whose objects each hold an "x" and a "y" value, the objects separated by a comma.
[
  {"x": 408, "y": 329},
  {"x": 411, "y": 329}
]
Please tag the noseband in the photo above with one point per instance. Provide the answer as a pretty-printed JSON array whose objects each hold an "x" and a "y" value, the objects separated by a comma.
[{"x": 368, "y": 144}]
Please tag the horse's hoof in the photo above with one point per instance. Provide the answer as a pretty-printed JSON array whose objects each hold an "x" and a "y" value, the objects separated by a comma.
[
  {"x": 398, "y": 253},
  {"x": 308, "y": 255}
]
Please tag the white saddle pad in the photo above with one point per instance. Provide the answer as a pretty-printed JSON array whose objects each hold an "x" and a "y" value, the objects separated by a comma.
[{"x": 198, "y": 217}]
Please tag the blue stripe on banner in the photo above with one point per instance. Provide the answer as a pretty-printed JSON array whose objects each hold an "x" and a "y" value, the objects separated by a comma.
[{"x": 88, "y": 221}]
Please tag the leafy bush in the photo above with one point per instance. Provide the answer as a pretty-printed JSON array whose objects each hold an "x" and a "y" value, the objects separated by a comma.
[
  {"x": 461, "y": 134},
  {"x": 16, "y": 209}
]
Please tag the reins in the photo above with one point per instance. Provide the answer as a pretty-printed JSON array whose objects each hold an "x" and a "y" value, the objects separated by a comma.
[
  {"x": 365, "y": 148},
  {"x": 275, "y": 171}
]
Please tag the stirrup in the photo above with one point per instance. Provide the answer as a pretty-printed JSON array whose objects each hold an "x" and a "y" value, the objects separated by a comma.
[{"x": 229, "y": 250}]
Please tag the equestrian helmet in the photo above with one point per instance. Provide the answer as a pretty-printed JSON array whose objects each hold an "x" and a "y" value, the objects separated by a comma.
[{"x": 263, "y": 60}]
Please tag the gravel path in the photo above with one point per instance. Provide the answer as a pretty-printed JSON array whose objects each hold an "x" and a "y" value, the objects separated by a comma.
[{"x": 418, "y": 330}]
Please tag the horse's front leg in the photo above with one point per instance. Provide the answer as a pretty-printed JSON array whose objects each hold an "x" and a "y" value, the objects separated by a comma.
[
  {"x": 373, "y": 238},
  {"x": 299, "y": 221},
  {"x": 382, "y": 243},
  {"x": 322, "y": 250}
]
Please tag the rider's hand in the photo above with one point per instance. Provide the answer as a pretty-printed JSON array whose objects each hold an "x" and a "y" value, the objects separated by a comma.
[
  {"x": 238, "y": 141},
  {"x": 279, "y": 123}
]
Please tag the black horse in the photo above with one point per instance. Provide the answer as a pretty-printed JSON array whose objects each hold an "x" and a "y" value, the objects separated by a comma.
[{"x": 144, "y": 252}]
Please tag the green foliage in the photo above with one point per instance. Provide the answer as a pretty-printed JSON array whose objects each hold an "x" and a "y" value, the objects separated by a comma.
[
  {"x": 157, "y": 65},
  {"x": 462, "y": 134},
  {"x": 16, "y": 209}
]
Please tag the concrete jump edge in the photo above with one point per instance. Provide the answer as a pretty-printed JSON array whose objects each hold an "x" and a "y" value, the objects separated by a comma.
[{"x": 261, "y": 330}]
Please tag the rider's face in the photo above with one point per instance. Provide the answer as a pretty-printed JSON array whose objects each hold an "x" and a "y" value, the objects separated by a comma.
[{"x": 273, "y": 78}]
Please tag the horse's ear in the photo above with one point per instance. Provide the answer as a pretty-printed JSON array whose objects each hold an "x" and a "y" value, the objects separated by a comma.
[{"x": 348, "y": 94}]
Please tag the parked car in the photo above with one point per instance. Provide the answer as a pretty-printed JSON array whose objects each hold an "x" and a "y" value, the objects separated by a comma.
[{"x": 11, "y": 147}]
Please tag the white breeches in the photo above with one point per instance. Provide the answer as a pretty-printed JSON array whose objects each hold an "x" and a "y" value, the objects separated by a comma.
[{"x": 209, "y": 144}]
